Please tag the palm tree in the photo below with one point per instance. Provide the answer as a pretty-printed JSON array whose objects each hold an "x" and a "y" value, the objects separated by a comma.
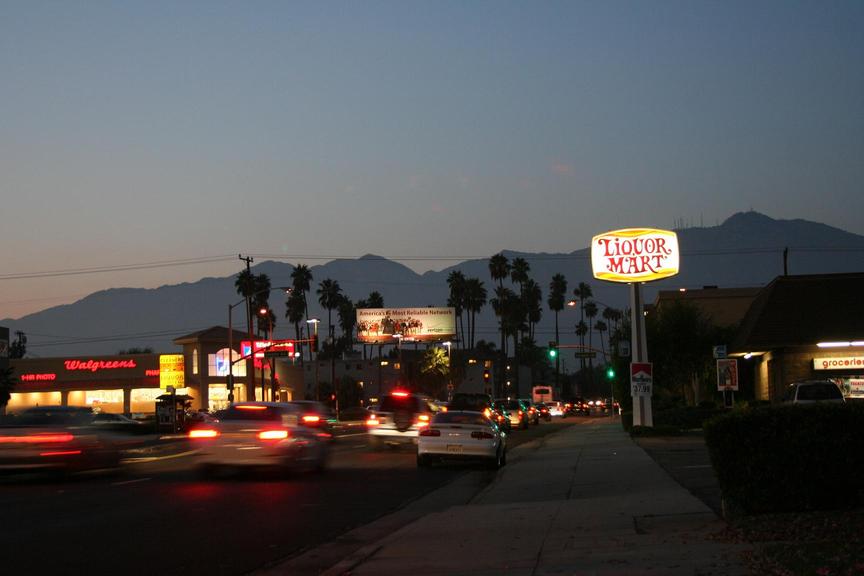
[
  {"x": 582, "y": 292},
  {"x": 261, "y": 301},
  {"x": 601, "y": 327},
  {"x": 375, "y": 300},
  {"x": 456, "y": 300},
  {"x": 475, "y": 299},
  {"x": 533, "y": 299},
  {"x": 557, "y": 291},
  {"x": 502, "y": 304},
  {"x": 499, "y": 268},
  {"x": 245, "y": 285},
  {"x": 435, "y": 367},
  {"x": 519, "y": 270},
  {"x": 301, "y": 279},
  {"x": 347, "y": 321},
  {"x": 295, "y": 307},
  {"x": 329, "y": 296}
]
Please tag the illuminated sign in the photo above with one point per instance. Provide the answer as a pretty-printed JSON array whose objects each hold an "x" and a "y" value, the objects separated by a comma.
[
  {"x": 262, "y": 346},
  {"x": 413, "y": 324},
  {"x": 171, "y": 371},
  {"x": 634, "y": 255},
  {"x": 841, "y": 363},
  {"x": 96, "y": 365},
  {"x": 37, "y": 377}
]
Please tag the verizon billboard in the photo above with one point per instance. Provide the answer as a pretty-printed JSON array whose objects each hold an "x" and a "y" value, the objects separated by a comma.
[
  {"x": 414, "y": 324},
  {"x": 634, "y": 255}
]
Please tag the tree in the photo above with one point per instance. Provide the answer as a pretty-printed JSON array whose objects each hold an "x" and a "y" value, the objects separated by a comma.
[
  {"x": 301, "y": 280},
  {"x": 375, "y": 300},
  {"x": 7, "y": 385},
  {"x": 295, "y": 308},
  {"x": 475, "y": 299},
  {"x": 245, "y": 285},
  {"x": 135, "y": 350},
  {"x": 601, "y": 327},
  {"x": 18, "y": 348},
  {"x": 261, "y": 301},
  {"x": 434, "y": 371},
  {"x": 533, "y": 298},
  {"x": 456, "y": 300},
  {"x": 347, "y": 322},
  {"x": 499, "y": 268},
  {"x": 582, "y": 292},
  {"x": 557, "y": 292},
  {"x": 329, "y": 296}
]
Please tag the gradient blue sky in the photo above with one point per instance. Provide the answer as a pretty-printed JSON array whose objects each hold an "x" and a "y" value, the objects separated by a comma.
[{"x": 152, "y": 131}]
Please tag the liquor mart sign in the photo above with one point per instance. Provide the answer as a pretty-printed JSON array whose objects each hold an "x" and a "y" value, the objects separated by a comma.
[{"x": 634, "y": 255}]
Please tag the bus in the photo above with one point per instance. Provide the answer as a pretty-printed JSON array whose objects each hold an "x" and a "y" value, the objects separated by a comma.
[{"x": 542, "y": 393}]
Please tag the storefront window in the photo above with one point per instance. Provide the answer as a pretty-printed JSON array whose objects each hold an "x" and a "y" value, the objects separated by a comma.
[
  {"x": 194, "y": 361},
  {"x": 21, "y": 400},
  {"x": 217, "y": 364},
  {"x": 104, "y": 400},
  {"x": 144, "y": 399}
]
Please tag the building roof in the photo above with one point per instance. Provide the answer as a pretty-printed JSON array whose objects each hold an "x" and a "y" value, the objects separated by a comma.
[
  {"x": 804, "y": 310},
  {"x": 722, "y": 306},
  {"x": 212, "y": 334}
]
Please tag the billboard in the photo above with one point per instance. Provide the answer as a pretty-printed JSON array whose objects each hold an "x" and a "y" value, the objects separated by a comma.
[
  {"x": 412, "y": 324},
  {"x": 634, "y": 255}
]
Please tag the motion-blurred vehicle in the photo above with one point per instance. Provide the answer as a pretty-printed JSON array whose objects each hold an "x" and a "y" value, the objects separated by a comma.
[
  {"x": 56, "y": 438},
  {"x": 576, "y": 407},
  {"x": 398, "y": 418},
  {"x": 316, "y": 416},
  {"x": 812, "y": 391},
  {"x": 516, "y": 410},
  {"x": 119, "y": 423},
  {"x": 555, "y": 408},
  {"x": 259, "y": 435},
  {"x": 545, "y": 411},
  {"x": 462, "y": 435},
  {"x": 533, "y": 412},
  {"x": 479, "y": 402}
]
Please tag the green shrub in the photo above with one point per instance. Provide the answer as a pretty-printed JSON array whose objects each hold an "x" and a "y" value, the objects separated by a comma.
[
  {"x": 789, "y": 458},
  {"x": 685, "y": 417}
]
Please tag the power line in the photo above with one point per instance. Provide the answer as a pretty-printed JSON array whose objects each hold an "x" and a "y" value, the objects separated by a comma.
[{"x": 117, "y": 268}]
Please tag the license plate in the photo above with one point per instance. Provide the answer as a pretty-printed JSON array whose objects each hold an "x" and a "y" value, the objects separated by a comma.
[{"x": 454, "y": 448}]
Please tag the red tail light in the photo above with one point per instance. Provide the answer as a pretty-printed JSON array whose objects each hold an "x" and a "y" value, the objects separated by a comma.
[
  {"x": 311, "y": 419},
  {"x": 61, "y": 453},
  {"x": 482, "y": 435},
  {"x": 279, "y": 434},
  {"x": 37, "y": 438},
  {"x": 400, "y": 394},
  {"x": 203, "y": 433},
  {"x": 250, "y": 407},
  {"x": 430, "y": 432}
]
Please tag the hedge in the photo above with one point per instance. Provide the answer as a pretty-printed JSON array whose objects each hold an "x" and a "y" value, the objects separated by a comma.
[
  {"x": 674, "y": 420},
  {"x": 790, "y": 457}
]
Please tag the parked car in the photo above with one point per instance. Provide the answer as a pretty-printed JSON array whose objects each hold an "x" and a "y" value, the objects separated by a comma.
[
  {"x": 56, "y": 438},
  {"x": 812, "y": 391},
  {"x": 258, "y": 434},
  {"x": 479, "y": 402},
  {"x": 461, "y": 435},
  {"x": 516, "y": 410},
  {"x": 398, "y": 418}
]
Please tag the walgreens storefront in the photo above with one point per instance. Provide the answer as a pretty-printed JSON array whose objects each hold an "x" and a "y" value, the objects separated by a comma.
[{"x": 107, "y": 383}]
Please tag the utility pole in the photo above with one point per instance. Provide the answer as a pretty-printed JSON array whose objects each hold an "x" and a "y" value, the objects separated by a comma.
[{"x": 251, "y": 389}]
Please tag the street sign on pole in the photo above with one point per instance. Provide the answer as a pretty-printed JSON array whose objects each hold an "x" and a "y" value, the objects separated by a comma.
[
  {"x": 277, "y": 353},
  {"x": 641, "y": 378},
  {"x": 720, "y": 352},
  {"x": 583, "y": 354}
]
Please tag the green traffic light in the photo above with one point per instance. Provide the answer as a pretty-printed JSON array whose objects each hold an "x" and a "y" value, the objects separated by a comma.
[
  {"x": 553, "y": 353},
  {"x": 610, "y": 373}
]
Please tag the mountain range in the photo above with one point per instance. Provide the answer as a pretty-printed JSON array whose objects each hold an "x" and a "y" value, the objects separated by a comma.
[{"x": 745, "y": 250}]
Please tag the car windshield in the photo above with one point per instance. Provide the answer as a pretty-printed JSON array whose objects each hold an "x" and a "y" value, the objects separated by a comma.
[{"x": 819, "y": 391}]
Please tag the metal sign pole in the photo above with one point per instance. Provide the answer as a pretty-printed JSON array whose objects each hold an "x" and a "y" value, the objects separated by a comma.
[{"x": 642, "y": 411}]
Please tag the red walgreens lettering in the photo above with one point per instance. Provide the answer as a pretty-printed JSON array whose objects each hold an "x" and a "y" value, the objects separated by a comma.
[{"x": 96, "y": 365}]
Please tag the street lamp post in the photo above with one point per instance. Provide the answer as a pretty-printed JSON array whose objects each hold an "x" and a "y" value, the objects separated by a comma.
[{"x": 449, "y": 345}]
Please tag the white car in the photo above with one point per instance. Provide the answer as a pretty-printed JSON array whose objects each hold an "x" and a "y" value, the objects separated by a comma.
[
  {"x": 812, "y": 391},
  {"x": 258, "y": 434},
  {"x": 461, "y": 435},
  {"x": 399, "y": 418}
]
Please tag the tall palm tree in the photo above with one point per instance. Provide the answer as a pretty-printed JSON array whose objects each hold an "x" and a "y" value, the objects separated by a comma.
[
  {"x": 295, "y": 308},
  {"x": 347, "y": 321},
  {"x": 519, "y": 270},
  {"x": 557, "y": 292},
  {"x": 245, "y": 285},
  {"x": 329, "y": 296},
  {"x": 582, "y": 292},
  {"x": 499, "y": 268},
  {"x": 475, "y": 299},
  {"x": 502, "y": 304},
  {"x": 261, "y": 301},
  {"x": 301, "y": 279},
  {"x": 375, "y": 300},
  {"x": 601, "y": 327},
  {"x": 456, "y": 300},
  {"x": 590, "y": 314}
]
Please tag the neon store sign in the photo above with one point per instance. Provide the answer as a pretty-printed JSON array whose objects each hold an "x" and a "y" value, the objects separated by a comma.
[{"x": 96, "y": 365}]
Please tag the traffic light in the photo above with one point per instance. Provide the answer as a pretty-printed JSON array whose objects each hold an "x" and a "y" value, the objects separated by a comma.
[
  {"x": 553, "y": 349},
  {"x": 610, "y": 372},
  {"x": 486, "y": 375}
]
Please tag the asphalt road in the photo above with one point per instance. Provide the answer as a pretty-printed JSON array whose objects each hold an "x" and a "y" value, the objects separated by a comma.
[{"x": 159, "y": 517}]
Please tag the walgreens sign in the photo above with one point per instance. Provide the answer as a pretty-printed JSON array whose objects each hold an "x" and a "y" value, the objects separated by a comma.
[{"x": 634, "y": 255}]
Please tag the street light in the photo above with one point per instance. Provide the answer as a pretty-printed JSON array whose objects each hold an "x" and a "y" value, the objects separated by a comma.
[{"x": 449, "y": 345}]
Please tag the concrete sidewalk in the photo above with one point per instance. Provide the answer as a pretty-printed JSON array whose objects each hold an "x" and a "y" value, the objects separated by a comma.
[{"x": 584, "y": 501}]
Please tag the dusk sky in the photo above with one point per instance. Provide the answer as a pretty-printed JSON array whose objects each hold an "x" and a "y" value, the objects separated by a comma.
[{"x": 146, "y": 132}]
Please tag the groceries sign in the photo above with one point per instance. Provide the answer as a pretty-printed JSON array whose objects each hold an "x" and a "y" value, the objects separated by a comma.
[{"x": 634, "y": 255}]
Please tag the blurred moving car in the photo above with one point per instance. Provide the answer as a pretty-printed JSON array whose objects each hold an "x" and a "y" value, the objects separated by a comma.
[
  {"x": 259, "y": 434},
  {"x": 479, "y": 402},
  {"x": 316, "y": 416},
  {"x": 398, "y": 418},
  {"x": 515, "y": 409},
  {"x": 55, "y": 438},
  {"x": 812, "y": 391},
  {"x": 545, "y": 411},
  {"x": 120, "y": 423},
  {"x": 578, "y": 407},
  {"x": 555, "y": 408},
  {"x": 462, "y": 435}
]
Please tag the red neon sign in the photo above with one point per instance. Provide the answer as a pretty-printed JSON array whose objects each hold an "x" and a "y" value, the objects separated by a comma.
[
  {"x": 96, "y": 365},
  {"x": 37, "y": 377},
  {"x": 262, "y": 346}
]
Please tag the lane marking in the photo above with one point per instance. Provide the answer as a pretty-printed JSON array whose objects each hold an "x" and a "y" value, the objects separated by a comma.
[
  {"x": 157, "y": 458},
  {"x": 137, "y": 480}
]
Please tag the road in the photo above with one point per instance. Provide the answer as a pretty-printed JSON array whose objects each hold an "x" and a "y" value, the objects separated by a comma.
[{"x": 158, "y": 516}]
